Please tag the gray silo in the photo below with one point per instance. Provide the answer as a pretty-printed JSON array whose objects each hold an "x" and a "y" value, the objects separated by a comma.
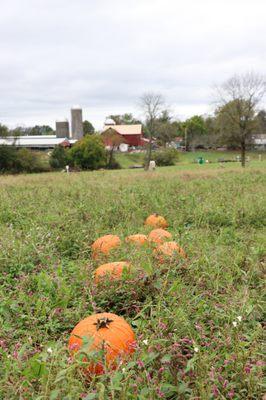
[
  {"x": 76, "y": 122},
  {"x": 62, "y": 128}
]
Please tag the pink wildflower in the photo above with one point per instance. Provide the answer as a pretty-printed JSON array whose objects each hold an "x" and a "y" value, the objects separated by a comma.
[
  {"x": 160, "y": 393},
  {"x": 247, "y": 369},
  {"x": 212, "y": 373},
  {"x": 215, "y": 391},
  {"x": 162, "y": 325},
  {"x": 225, "y": 383},
  {"x": 148, "y": 375},
  {"x": 74, "y": 346}
]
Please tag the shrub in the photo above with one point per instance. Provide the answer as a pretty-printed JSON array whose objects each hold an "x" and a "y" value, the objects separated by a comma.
[
  {"x": 19, "y": 160},
  {"x": 28, "y": 161},
  {"x": 113, "y": 164},
  {"x": 7, "y": 158},
  {"x": 166, "y": 157},
  {"x": 59, "y": 157},
  {"x": 88, "y": 153}
]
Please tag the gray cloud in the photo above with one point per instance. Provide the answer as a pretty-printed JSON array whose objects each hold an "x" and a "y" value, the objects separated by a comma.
[{"x": 104, "y": 55}]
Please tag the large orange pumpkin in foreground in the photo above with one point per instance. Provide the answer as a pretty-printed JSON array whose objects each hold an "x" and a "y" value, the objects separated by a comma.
[
  {"x": 168, "y": 250},
  {"x": 104, "y": 245},
  {"x": 104, "y": 331},
  {"x": 112, "y": 270},
  {"x": 159, "y": 235},
  {"x": 157, "y": 221},
  {"x": 137, "y": 239}
]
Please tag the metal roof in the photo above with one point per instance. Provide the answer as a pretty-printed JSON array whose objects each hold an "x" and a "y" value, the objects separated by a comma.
[
  {"x": 34, "y": 141},
  {"x": 135, "y": 129}
]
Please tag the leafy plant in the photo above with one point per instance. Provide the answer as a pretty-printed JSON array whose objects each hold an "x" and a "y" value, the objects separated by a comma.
[
  {"x": 88, "y": 153},
  {"x": 59, "y": 157},
  {"x": 166, "y": 157}
]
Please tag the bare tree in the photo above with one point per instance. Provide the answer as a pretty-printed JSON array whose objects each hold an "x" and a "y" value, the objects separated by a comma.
[
  {"x": 238, "y": 99},
  {"x": 151, "y": 104},
  {"x": 113, "y": 140}
]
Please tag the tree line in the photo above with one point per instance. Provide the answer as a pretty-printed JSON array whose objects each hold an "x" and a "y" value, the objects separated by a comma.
[
  {"x": 237, "y": 117},
  {"x": 38, "y": 130}
]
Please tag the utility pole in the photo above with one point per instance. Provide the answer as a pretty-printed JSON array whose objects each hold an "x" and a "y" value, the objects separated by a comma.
[{"x": 186, "y": 138}]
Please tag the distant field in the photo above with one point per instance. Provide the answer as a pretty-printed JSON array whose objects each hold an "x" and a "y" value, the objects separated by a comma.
[
  {"x": 127, "y": 160},
  {"x": 198, "y": 322}
]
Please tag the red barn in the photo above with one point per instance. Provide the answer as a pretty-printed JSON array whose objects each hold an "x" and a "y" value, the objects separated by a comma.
[{"x": 131, "y": 134}]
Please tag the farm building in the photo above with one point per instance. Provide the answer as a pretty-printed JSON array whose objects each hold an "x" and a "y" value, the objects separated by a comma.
[
  {"x": 130, "y": 135},
  {"x": 61, "y": 138},
  {"x": 259, "y": 141},
  {"x": 36, "y": 142}
]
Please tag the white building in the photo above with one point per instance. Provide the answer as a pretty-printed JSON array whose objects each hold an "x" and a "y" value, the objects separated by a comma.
[{"x": 36, "y": 142}]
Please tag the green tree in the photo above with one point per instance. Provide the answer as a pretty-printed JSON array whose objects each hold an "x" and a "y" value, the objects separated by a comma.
[
  {"x": 88, "y": 128},
  {"x": 38, "y": 130},
  {"x": 165, "y": 117},
  {"x": 165, "y": 157},
  {"x": 3, "y": 131},
  {"x": 28, "y": 161},
  {"x": 165, "y": 132},
  {"x": 8, "y": 156},
  {"x": 124, "y": 119},
  {"x": 165, "y": 129},
  {"x": 17, "y": 160},
  {"x": 59, "y": 157},
  {"x": 261, "y": 118},
  {"x": 194, "y": 130},
  {"x": 230, "y": 131},
  {"x": 238, "y": 99},
  {"x": 19, "y": 131},
  {"x": 88, "y": 153}
]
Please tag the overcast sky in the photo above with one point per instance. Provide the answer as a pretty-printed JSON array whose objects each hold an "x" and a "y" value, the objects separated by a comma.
[{"x": 103, "y": 54}]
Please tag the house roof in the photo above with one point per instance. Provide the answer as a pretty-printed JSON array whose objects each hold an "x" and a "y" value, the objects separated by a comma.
[{"x": 135, "y": 129}]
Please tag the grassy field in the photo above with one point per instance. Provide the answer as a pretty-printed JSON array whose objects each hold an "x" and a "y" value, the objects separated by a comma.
[
  {"x": 127, "y": 160},
  {"x": 198, "y": 322}
]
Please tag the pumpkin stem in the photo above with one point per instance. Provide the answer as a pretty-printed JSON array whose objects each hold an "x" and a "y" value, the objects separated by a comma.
[{"x": 102, "y": 323}]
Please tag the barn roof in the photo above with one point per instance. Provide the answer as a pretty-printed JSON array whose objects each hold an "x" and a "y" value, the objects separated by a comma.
[
  {"x": 135, "y": 129},
  {"x": 34, "y": 141}
]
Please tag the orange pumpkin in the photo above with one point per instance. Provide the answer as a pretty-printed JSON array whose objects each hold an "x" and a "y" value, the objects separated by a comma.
[
  {"x": 169, "y": 249},
  {"x": 114, "y": 270},
  {"x": 157, "y": 221},
  {"x": 104, "y": 245},
  {"x": 137, "y": 239},
  {"x": 159, "y": 235},
  {"x": 104, "y": 331}
]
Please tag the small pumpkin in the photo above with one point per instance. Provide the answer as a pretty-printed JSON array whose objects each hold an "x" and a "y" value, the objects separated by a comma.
[
  {"x": 169, "y": 249},
  {"x": 157, "y": 221},
  {"x": 137, "y": 239},
  {"x": 104, "y": 245},
  {"x": 114, "y": 270},
  {"x": 105, "y": 331},
  {"x": 159, "y": 235}
]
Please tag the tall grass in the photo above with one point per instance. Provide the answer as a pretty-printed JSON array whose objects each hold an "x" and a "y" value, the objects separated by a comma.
[{"x": 198, "y": 322}]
